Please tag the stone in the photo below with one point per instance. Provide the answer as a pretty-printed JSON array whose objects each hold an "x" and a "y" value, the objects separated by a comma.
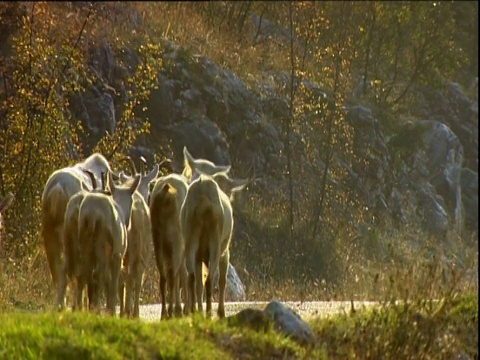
[
  {"x": 288, "y": 322},
  {"x": 235, "y": 288},
  {"x": 444, "y": 157}
]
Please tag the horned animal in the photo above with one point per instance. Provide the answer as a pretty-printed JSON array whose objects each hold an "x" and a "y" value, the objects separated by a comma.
[
  {"x": 60, "y": 187},
  {"x": 206, "y": 221},
  {"x": 139, "y": 249},
  {"x": 166, "y": 200},
  {"x": 139, "y": 245},
  {"x": 165, "y": 203},
  {"x": 103, "y": 222},
  {"x": 72, "y": 246}
]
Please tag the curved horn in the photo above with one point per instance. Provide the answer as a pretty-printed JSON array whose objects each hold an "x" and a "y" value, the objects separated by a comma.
[
  {"x": 131, "y": 163},
  {"x": 166, "y": 162},
  {"x": 143, "y": 163},
  {"x": 92, "y": 178}
]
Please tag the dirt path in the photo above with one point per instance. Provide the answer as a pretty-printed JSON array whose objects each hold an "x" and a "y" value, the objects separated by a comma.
[{"x": 305, "y": 310}]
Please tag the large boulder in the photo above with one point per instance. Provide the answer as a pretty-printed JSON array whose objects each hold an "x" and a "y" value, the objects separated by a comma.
[
  {"x": 431, "y": 157},
  {"x": 444, "y": 157},
  {"x": 454, "y": 109},
  {"x": 235, "y": 289},
  {"x": 202, "y": 137},
  {"x": 205, "y": 107}
]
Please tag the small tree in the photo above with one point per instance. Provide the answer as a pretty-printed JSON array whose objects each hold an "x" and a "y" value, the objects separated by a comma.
[{"x": 38, "y": 134}]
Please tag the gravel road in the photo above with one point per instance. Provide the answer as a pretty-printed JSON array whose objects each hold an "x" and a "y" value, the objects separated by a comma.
[{"x": 304, "y": 309}]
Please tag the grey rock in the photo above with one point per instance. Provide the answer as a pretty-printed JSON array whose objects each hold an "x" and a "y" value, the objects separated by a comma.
[
  {"x": 444, "y": 157},
  {"x": 235, "y": 288},
  {"x": 288, "y": 322},
  {"x": 432, "y": 214},
  {"x": 96, "y": 110},
  {"x": 453, "y": 108}
]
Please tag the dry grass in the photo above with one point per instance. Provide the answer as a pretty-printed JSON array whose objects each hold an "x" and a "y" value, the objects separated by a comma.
[
  {"x": 182, "y": 24},
  {"x": 400, "y": 269}
]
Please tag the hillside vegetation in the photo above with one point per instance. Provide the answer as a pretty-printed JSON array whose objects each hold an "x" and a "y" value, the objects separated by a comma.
[{"x": 307, "y": 234}]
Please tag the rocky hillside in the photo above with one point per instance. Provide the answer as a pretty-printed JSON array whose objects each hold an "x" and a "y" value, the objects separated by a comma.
[
  {"x": 430, "y": 165},
  {"x": 396, "y": 169}
]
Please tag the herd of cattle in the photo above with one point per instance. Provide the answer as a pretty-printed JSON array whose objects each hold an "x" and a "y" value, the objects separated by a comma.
[{"x": 99, "y": 227}]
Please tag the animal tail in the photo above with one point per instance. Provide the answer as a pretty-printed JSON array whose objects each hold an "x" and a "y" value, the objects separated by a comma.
[
  {"x": 87, "y": 231},
  {"x": 207, "y": 209},
  {"x": 55, "y": 203},
  {"x": 164, "y": 204}
]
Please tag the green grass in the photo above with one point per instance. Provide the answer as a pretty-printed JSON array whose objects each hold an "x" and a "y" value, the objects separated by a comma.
[
  {"x": 88, "y": 336},
  {"x": 416, "y": 330}
]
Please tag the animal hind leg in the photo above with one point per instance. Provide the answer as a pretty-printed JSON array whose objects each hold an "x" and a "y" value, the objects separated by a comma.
[
  {"x": 190, "y": 284},
  {"x": 222, "y": 282},
  {"x": 171, "y": 289},
  {"x": 138, "y": 288},
  {"x": 53, "y": 250},
  {"x": 212, "y": 272},
  {"x": 199, "y": 285},
  {"x": 112, "y": 291},
  {"x": 121, "y": 294}
]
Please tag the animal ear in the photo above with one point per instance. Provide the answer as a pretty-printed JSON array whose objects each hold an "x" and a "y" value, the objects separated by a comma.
[
  {"x": 187, "y": 157},
  {"x": 229, "y": 185},
  {"x": 152, "y": 174},
  {"x": 236, "y": 185},
  {"x": 135, "y": 184},
  {"x": 239, "y": 184},
  {"x": 186, "y": 154},
  {"x": 188, "y": 162},
  {"x": 223, "y": 168}
]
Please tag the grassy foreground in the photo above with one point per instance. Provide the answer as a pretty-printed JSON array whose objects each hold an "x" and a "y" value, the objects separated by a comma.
[{"x": 420, "y": 330}]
